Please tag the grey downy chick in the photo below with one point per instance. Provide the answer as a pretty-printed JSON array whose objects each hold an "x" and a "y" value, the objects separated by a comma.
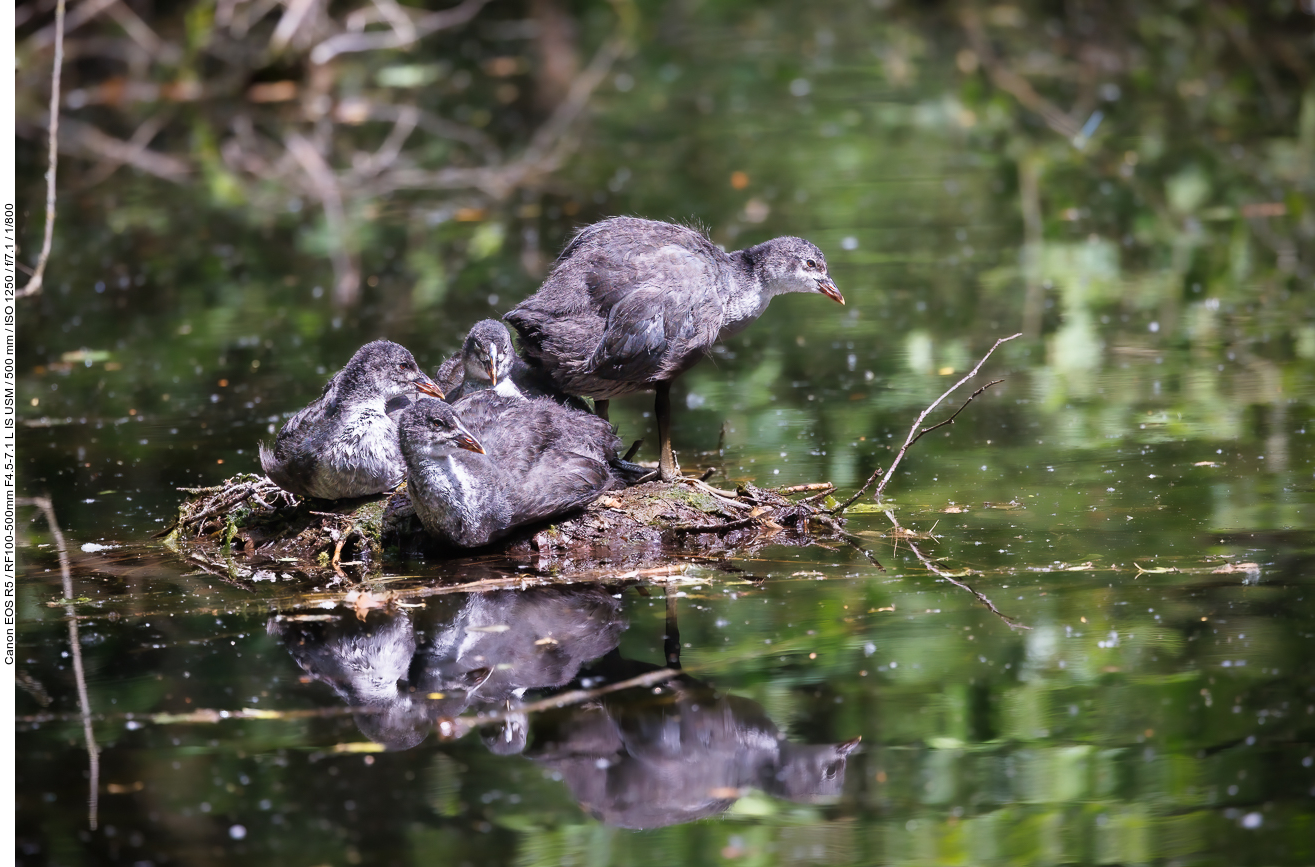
[
  {"x": 344, "y": 444},
  {"x": 488, "y": 360},
  {"x": 631, "y": 304},
  {"x": 478, "y": 471}
]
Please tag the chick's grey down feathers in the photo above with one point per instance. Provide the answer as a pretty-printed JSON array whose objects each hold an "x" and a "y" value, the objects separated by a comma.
[
  {"x": 539, "y": 460},
  {"x": 344, "y": 444},
  {"x": 634, "y": 302}
]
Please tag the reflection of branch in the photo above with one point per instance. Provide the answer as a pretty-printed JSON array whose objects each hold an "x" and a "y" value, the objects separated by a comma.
[
  {"x": 551, "y": 134},
  {"x": 941, "y": 573},
  {"x": 81, "y": 139},
  {"x": 141, "y": 33},
  {"x": 396, "y": 37},
  {"x": 75, "y": 647},
  {"x": 397, "y": 18},
  {"x": 1011, "y": 82},
  {"x": 291, "y": 20},
  {"x": 915, "y": 434},
  {"x": 141, "y": 138},
  {"x": 324, "y": 184},
  {"x": 547, "y": 148},
  {"x": 34, "y": 285},
  {"x": 86, "y": 11},
  {"x": 451, "y": 729},
  {"x": 388, "y": 152}
]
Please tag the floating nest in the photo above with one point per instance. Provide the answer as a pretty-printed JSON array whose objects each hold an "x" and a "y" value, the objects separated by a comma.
[{"x": 250, "y": 529}]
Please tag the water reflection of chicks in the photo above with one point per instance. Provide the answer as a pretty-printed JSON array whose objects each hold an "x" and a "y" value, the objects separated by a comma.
[
  {"x": 365, "y": 662},
  {"x": 647, "y": 758},
  {"x": 644, "y": 757},
  {"x": 483, "y": 650},
  {"x": 501, "y": 644}
]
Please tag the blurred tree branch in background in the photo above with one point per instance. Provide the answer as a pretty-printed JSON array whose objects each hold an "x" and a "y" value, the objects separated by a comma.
[
  {"x": 264, "y": 100},
  {"x": 1180, "y": 138}
]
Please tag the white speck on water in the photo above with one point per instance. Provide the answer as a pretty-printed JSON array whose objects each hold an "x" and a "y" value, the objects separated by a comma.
[
  {"x": 849, "y": 242},
  {"x": 237, "y": 832},
  {"x": 93, "y": 547},
  {"x": 800, "y": 87}
]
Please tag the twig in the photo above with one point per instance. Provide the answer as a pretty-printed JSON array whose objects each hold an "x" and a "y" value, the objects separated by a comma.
[
  {"x": 38, "y": 276},
  {"x": 799, "y": 489},
  {"x": 212, "y": 715},
  {"x": 915, "y": 434},
  {"x": 950, "y": 420},
  {"x": 75, "y": 649},
  {"x": 815, "y": 497},
  {"x": 853, "y": 542},
  {"x": 717, "y": 528},
  {"x": 700, "y": 485},
  {"x": 941, "y": 573}
]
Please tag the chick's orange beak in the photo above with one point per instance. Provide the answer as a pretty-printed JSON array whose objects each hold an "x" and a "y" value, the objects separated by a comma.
[
  {"x": 828, "y": 288},
  {"x": 425, "y": 386},
  {"x": 467, "y": 442}
]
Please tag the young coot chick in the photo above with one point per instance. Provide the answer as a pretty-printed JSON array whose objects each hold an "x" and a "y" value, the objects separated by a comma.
[
  {"x": 345, "y": 444},
  {"x": 479, "y": 470},
  {"x": 486, "y": 360},
  {"x": 632, "y": 304}
]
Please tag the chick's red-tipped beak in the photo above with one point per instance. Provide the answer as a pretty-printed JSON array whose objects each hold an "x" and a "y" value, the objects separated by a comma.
[
  {"x": 467, "y": 442},
  {"x": 493, "y": 373},
  {"x": 425, "y": 386},
  {"x": 828, "y": 288}
]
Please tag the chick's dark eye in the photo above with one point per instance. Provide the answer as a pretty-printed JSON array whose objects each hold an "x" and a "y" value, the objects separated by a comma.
[{"x": 811, "y": 264}]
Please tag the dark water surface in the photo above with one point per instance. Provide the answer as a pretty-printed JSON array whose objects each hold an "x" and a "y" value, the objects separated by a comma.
[{"x": 1136, "y": 499}]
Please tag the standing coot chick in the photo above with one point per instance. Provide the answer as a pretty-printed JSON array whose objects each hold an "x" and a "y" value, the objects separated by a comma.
[
  {"x": 344, "y": 444},
  {"x": 477, "y": 471},
  {"x": 632, "y": 304}
]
